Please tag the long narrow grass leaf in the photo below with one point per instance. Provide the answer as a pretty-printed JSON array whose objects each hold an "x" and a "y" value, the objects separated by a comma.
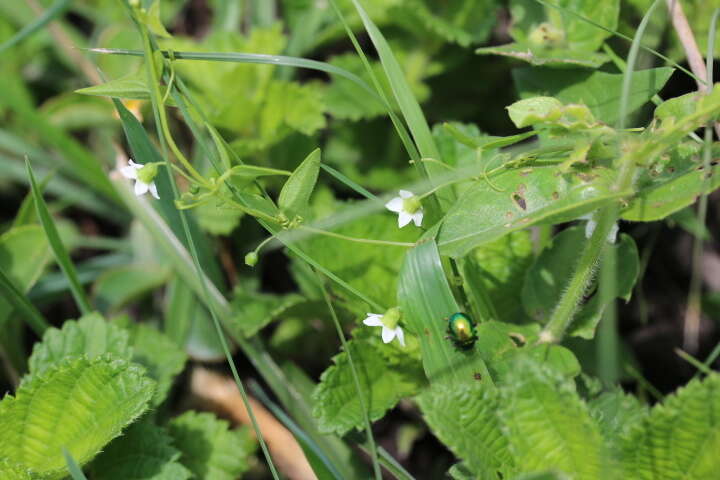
[
  {"x": 27, "y": 310},
  {"x": 75, "y": 472},
  {"x": 61, "y": 255},
  {"x": 48, "y": 15},
  {"x": 348, "y": 182}
]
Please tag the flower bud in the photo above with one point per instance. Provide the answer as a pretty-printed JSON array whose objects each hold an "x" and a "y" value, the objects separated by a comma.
[{"x": 251, "y": 259}]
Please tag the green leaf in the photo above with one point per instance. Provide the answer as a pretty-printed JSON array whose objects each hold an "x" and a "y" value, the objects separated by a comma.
[
  {"x": 295, "y": 194},
  {"x": 162, "y": 358},
  {"x": 47, "y": 16},
  {"x": 75, "y": 471},
  {"x": 464, "y": 417},
  {"x": 79, "y": 404},
  {"x": 679, "y": 439},
  {"x": 59, "y": 251},
  {"x": 209, "y": 448},
  {"x": 459, "y": 21},
  {"x": 13, "y": 471},
  {"x": 131, "y": 86},
  {"x": 143, "y": 452},
  {"x": 254, "y": 310},
  {"x": 90, "y": 336},
  {"x": 217, "y": 218},
  {"x": 119, "y": 286},
  {"x": 541, "y": 57},
  {"x": 549, "y": 112},
  {"x": 527, "y": 196},
  {"x": 547, "y": 424},
  {"x": 600, "y": 91},
  {"x": 337, "y": 406},
  {"x": 617, "y": 414},
  {"x": 426, "y": 302}
]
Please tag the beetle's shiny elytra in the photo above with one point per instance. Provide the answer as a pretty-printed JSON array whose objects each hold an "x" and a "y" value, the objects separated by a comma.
[{"x": 461, "y": 330}]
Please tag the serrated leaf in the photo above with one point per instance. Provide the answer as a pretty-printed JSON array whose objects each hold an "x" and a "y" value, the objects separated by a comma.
[
  {"x": 79, "y": 404},
  {"x": 680, "y": 438},
  {"x": 254, "y": 310},
  {"x": 547, "y": 424},
  {"x": 600, "y": 91},
  {"x": 295, "y": 194},
  {"x": 528, "y": 196},
  {"x": 163, "y": 359},
  {"x": 547, "y": 278},
  {"x": 13, "y": 471},
  {"x": 90, "y": 335},
  {"x": 460, "y": 21},
  {"x": 464, "y": 418},
  {"x": 336, "y": 402},
  {"x": 617, "y": 414},
  {"x": 209, "y": 448},
  {"x": 143, "y": 452}
]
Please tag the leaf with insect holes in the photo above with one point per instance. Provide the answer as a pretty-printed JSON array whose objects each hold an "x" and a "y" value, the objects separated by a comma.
[
  {"x": 143, "y": 452},
  {"x": 337, "y": 405},
  {"x": 519, "y": 198},
  {"x": 79, "y": 404},
  {"x": 295, "y": 194},
  {"x": 90, "y": 336},
  {"x": 546, "y": 279},
  {"x": 679, "y": 438},
  {"x": 209, "y": 448}
]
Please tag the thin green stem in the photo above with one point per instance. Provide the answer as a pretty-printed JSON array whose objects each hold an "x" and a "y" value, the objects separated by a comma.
[
  {"x": 356, "y": 380},
  {"x": 158, "y": 110},
  {"x": 355, "y": 239}
]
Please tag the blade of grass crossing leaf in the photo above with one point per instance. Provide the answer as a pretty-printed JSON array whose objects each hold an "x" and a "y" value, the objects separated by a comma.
[
  {"x": 693, "y": 310},
  {"x": 55, "y": 9},
  {"x": 74, "y": 469},
  {"x": 160, "y": 119},
  {"x": 320, "y": 463},
  {"x": 61, "y": 255},
  {"x": 368, "y": 426},
  {"x": 348, "y": 182},
  {"x": 27, "y": 310}
]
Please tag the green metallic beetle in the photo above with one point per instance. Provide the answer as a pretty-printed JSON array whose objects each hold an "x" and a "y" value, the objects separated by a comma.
[{"x": 461, "y": 330}]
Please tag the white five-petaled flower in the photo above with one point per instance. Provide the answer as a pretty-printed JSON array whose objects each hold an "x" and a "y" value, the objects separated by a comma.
[
  {"x": 389, "y": 323},
  {"x": 144, "y": 177},
  {"x": 408, "y": 208}
]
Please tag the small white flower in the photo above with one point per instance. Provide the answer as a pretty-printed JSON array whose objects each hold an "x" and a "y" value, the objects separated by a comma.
[
  {"x": 389, "y": 324},
  {"x": 592, "y": 224},
  {"x": 408, "y": 208},
  {"x": 143, "y": 176}
]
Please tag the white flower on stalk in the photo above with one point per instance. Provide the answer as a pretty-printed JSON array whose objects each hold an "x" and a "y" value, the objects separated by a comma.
[
  {"x": 389, "y": 323},
  {"x": 408, "y": 208},
  {"x": 144, "y": 176},
  {"x": 591, "y": 225}
]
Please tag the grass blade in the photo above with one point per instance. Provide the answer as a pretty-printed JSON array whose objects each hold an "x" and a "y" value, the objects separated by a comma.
[
  {"x": 56, "y": 9},
  {"x": 74, "y": 469},
  {"x": 61, "y": 255},
  {"x": 27, "y": 310}
]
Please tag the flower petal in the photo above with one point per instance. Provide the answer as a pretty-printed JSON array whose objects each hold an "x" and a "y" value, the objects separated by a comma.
[
  {"x": 395, "y": 205},
  {"x": 141, "y": 188},
  {"x": 134, "y": 165},
  {"x": 406, "y": 194},
  {"x": 418, "y": 218},
  {"x": 153, "y": 190},
  {"x": 388, "y": 334},
  {"x": 129, "y": 172},
  {"x": 404, "y": 218},
  {"x": 373, "y": 320},
  {"x": 400, "y": 335}
]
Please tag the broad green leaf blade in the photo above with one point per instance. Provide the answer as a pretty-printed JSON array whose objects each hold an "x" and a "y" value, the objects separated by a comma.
[
  {"x": 600, "y": 91},
  {"x": 132, "y": 86},
  {"x": 617, "y": 414},
  {"x": 89, "y": 336},
  {"x": 13, "y": 471},
  {"x": 295, "y": 194},
  {"x": 527, "y": 196},
  {"x": 59, "y": 251},
  {"x": 48, "y": 15},
  {"x": 210, "y": 450},
  {"x": 679, "y": 439},
  {"x": 548, "y": 425},
  {"x": 252, "y": 311},
  {"x": 547, "y": 279},
  {"x": 464, "y": 417},
  {"x": 80, "y": 404},
  {"x": 337, "y": 405},
  {"x": 144, "y": 452},
  {"x": 426, "y": 302},
  {"x": 159, "y": 355},
  {"x": 119, "y": 286}
]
